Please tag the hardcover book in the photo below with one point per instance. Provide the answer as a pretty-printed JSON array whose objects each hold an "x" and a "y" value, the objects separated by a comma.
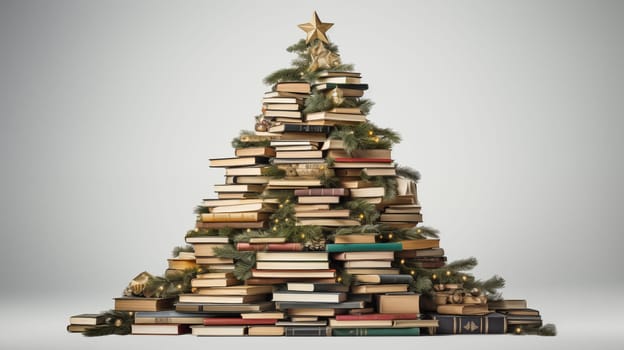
[
  {"x": 392, "y": 332},
  {"x": 493, "y": 323}
]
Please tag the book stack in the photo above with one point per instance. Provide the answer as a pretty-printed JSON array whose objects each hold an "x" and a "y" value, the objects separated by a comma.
[
  {"x": 517, "y": 313},
  {"x": 423, "y": 253},
  {"x": 205, "y": 254},
  {"x": 314, "y": 231},
  {"x": 81, "y": 322},
  {"x": 181, "y": 262},
  {"x": 285, "y": 102}
]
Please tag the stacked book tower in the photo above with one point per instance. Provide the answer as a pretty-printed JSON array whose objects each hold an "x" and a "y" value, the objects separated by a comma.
[{"x": 308, "y": 235}]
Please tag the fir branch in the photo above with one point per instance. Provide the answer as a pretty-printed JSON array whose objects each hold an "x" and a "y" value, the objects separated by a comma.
[
  {"x": 363, "y": 210},
  {"x": 345, "y": 278},
  {"x": 489, "y": 287},
  {"x": 246, "y": 235},
  {"x": 238, "y": 143},
  {"x": 329, "y": 181},
  {"x": 421, "y": 232},
  {"x": 284, "y": 74},
  {"x": 407, "y": 172},
  {"x": 462, "y": 264},
  {"x": 275, "y": 172},
  {"x": 389, "y": 183},
  {"x": 318, "y": 102},
  {"x": 115, "y": 322},
  {"x": 365, "y": 136},
  {"x": 200, "y": 209},
  {"x": 244, "y": 261},
  {"x": 548, "y": 329},
  {"x": 362, "y": 229},
  {"x": 186, "y": 248},
  {"x": 422, "y": 285}
]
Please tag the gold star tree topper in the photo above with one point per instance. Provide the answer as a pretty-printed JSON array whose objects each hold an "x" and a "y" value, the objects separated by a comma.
[{"x": 316, "y": 29}]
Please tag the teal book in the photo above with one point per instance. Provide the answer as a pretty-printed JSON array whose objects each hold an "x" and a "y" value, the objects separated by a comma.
[
  {"x": 363, "y": 247},
  {"x": 375, "y": 332}
]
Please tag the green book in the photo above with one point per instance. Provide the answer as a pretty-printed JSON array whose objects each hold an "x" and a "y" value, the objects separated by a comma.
[
  {"x": 363, "y": 247},
  {"x": 373, "y": 332}
]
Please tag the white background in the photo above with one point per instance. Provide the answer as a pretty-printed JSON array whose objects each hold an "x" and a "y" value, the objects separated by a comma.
[{"x": 511, "y": 111}]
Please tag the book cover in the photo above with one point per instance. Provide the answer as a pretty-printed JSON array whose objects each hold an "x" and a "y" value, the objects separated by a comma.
[
  {"x": 378, "y": 316},
  {"x": 384, "y": 279},
  {"x": 392, "y": 332},
  {"x": 322, "y": 192},
  {"x": 226, "y": 321},
  {"x": 168, "y": 316},
  {"x": 304, "y": 331},
  {"x": 363, "y": 247},
  {"x": 493, "y": 323},
  {"x": 305, "y": 128},
  {"x": 294, "y": 247}
]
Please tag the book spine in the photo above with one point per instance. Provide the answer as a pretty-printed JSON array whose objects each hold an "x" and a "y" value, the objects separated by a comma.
[
  {"x": 231, "y": 224},
  {"x": 321, "y": 192},
  {"x": 281, "y": 247},
  {"x": 222, "y": 321},
  {"x": 363, "y": 160},
  {"x": 395, "y": 279},
  {"x": 306, "y": 331},
  {"x": 313, "y": 305},
  {"x": 307, "y": 128},
  {"x": 376, "y": 331},
  {"x": 454, "y": 324},
  {"x": 363, "y": 247},
  {"x": 366, "y": 317},
  {"x": 227, "y": 217}
]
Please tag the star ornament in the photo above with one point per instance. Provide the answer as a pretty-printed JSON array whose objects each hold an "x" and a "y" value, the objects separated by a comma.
[{"x": 315, "y": 29}]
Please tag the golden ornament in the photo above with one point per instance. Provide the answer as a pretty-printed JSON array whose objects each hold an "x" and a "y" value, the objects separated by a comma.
[
  {"x": 315, "y": 29},
  {"x": 137, "y": 285},
  {"x": 336, "y": 96},
  {"x": 475, "y": 292},
  {"x": 118, "y": 322},
  {"x": 322, "y": 58}
]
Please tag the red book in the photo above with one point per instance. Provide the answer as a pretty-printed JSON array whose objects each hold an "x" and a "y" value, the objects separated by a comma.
[
  {"x": 282, "y": 247},
  {"x": 223, "y": 321},
  {"x": 322, "y": 192},
  {"x": 363, "y": 160},
  {"x": 411, "y": 316}
]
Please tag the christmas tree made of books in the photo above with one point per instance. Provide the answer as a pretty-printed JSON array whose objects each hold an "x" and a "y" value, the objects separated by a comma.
[{"x": 315, "y": 231}]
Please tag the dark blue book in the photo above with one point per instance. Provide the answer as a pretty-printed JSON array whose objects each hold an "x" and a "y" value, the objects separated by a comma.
[
  {"x": 302, "y": 331},
  {"x": 492, "y": 323},
  {"x": 373, "y": 332}
]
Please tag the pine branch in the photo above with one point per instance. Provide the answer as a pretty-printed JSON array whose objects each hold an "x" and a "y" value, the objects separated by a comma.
[
  {"x": 407, "y": 172},
  {"x": 490, "y": 286},
  {"x": 421, "y": 232},
  {"x": 200, "y": 209},
  {"x": 275, "y": 172},
  {"x": 238, "y": 142},
  {"x": 363, "y": 210},
  {"x": 389, "y": 183},
  {"x": 329, "y": 181},
  {"x": 285, "y": 74},
  {"x": 548, "y": 329},
  {"x": 186, "y": 248},
  {"x": 115, "y": 322},
  {"x": 244, "y": 261},
  {"x": 462, "y": 264}
]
